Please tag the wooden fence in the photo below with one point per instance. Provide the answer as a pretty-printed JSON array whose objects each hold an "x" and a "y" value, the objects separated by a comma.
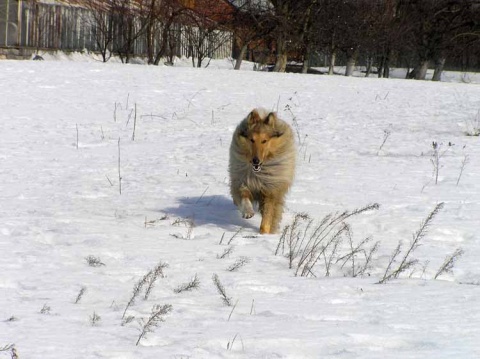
[{"x": 49, "y": 26}]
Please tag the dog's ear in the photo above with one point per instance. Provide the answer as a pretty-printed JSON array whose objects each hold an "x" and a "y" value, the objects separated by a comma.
[
  {"x": 271, "y": 119},
  {"x": 244, "y": 127},
  {"x": 279, "y": 127},
  {"x": 253, "y": 117},
  {"x": 243, "y": 133}
]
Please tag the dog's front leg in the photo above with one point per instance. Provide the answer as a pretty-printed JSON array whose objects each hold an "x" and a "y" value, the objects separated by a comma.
[{"x": 246, "y": 199}]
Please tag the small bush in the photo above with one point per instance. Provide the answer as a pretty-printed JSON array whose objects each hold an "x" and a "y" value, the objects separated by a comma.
[
  {"x": 473, "y": 125},
  {"x": 221, "y": 290},
  {"x": 186, "y": 287},
  {"x": 80, "y": 294},
  {"x": 239, "y": 263},
  {"x": 156, "y": 317},
  {"x": 309, "y": 245},
  {"x": 407, "y": 261},
  {"x": 94, "y": 261}
]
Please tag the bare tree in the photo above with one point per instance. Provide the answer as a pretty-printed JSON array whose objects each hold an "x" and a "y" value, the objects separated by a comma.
[
  {"x": 357, "y": 20},
  {"x": 206, "y": 29},
  {"x": 294, "y": 22},
  {"x": 168, "y": 36},
  {"x": 379, "y": 36},
  {"x": 434, "y": 24},
  {"x": 306, "y": 17},
  {"x": 131, "y": 19},
  {"x": 329, "y": 29},
  {"x": 283, "y": 11},
  {"x": 100, "y": 19},
  {"x": 252, "y": 23},
  {"x": 466, "y": 45},
  {"x": 162, "y": 32}
]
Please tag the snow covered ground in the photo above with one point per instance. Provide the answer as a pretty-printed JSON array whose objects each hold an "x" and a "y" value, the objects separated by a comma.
[{"x": 72, "y": 248}]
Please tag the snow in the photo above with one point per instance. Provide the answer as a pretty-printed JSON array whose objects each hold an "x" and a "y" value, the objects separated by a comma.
[{"x": 61, "y": 202}]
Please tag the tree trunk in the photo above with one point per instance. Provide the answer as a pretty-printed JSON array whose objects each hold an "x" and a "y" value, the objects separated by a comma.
[
  {"x": 281, "y": 62},
  {"x": 369, "y": 66},
  {"x": 386, "y": 64},
  {"x": 439, "y": 65},
  {"x": 350, "y": 67},
  {"x": 151, "y": 33},
  {"x": 167, "y": 44},
  {"x": 386, "y": 70},
  {"x": 306, "y": 61},
  {"x": 407, "y": 74},
  {"x": 305, "y": 66},
  {"x": 333, "y": 57},
  {"x": 351, "y": 61},
  {"x": 384, "y": 67},
  {"x": 421, "y": 70},
  {"x": 104, "y": 55},
  {"x": 241, "y": 55},
  {"x": 306, "y": 35},
  {"x": 150, "y": 44},
  {"x": 381, "y": 66}
]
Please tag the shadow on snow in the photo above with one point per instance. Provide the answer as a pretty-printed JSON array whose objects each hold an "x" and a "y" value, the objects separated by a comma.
[{"x": 217, "y": 210}]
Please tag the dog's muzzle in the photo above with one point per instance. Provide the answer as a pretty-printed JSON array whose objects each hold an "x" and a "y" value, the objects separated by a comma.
[
  {"x": 256, "y": 165},
  {"x": 256, "y": 168}
]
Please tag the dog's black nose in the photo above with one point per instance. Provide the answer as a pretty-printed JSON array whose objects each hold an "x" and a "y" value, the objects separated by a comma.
[{"x": 255, "y": 161}]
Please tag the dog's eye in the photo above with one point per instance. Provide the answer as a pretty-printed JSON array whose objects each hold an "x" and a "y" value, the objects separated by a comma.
[
  {"x": 264, "y": 141},
  {"x": 252, "y": 140}
]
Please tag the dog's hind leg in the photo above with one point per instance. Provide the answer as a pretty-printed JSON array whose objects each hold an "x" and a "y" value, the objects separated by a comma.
[
  {"x": 268, "y": 213},
  {"x": 277, "y": 215},
  {"x": 271, "y": 207}
]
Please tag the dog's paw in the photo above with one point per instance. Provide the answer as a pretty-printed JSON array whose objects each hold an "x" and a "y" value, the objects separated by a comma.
[
  {"x": 248, "y": 215},
  {"x": 247, "y": 208}
]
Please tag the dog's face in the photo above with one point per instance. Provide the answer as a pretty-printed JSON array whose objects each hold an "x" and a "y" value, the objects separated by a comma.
[{"x": 259, "y": 138}]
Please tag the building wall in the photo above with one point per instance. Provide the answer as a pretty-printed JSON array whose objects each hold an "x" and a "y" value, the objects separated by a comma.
[
  {"x": 8, "y": 22},
  {"x": 31, "y": 26}
]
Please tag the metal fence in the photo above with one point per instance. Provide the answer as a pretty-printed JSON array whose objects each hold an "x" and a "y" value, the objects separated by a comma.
[{"x": 50, "y": 26}]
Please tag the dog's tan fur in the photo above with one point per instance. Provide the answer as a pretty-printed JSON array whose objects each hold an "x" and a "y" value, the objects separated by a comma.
[{"x": 262, "y": 166}]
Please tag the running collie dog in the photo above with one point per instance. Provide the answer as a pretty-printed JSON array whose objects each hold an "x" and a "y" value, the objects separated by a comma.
[{"x": 262, "y": 166}]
